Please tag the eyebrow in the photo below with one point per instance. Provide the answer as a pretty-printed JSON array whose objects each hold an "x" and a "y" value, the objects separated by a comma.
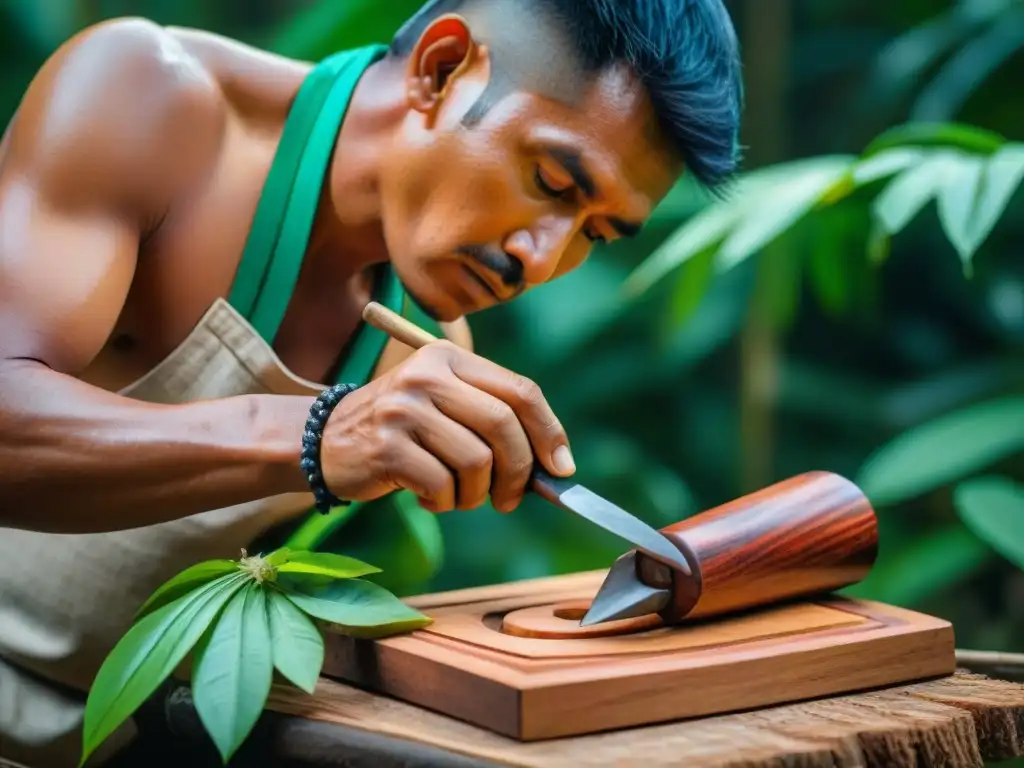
[{"x": 571, "y": 160}]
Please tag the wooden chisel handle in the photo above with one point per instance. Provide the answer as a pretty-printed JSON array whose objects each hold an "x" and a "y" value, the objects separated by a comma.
[{"x": 396, "y": 326}]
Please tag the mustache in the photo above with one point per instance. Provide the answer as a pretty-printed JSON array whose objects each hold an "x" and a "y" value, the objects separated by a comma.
[{"x": 508, "y": 268}]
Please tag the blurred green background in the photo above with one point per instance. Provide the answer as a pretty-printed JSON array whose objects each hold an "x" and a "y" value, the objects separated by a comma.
[{"x": 857, "y": 306}]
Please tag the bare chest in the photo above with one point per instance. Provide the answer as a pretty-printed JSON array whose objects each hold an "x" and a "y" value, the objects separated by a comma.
[{"x": 194, "y": 258}]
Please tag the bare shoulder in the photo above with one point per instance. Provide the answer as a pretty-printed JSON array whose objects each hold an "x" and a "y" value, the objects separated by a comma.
[{"x": 120, "y": 112}]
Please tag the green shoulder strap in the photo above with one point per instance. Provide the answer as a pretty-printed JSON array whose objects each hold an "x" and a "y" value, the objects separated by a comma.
[
  {"x": 280, "y": 232},
  {"x": 281, "y": 228}
]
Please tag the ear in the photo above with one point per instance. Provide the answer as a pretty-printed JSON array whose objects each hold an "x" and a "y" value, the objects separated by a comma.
[{"x": 444, "y": 52}]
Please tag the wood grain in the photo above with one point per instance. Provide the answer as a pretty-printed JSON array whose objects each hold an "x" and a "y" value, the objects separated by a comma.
[
  {"x": 958, "y": 721},
  {"x": 810, "y": 534},
  {"x": 465, "y": 666}
]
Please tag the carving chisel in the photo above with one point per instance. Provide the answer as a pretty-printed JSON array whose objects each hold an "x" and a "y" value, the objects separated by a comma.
[{"x": 563, "y": 492}]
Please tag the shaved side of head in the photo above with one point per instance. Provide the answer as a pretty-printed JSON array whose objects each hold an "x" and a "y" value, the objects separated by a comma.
[{"x": 684, "y": 52}]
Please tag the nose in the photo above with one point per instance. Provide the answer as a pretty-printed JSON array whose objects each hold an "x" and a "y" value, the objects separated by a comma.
[{"x": 542, "y": 247}]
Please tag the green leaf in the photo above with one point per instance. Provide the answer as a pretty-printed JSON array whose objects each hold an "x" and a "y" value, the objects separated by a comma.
[
  {"x": 763, "y": 204},
  {"x": 424, "y": 528},
  {"x": 782, "y": 273},
  {"x": 884, "y": 164},
  {"x": 690, "y": 287},
  {"x": 360, "y": 608},
  {"x": 833, "y": 236},
  {"x": 185, "y": 582},
  {"x": 993, "y": 508},
  {"x": 879, "y": 243},
  {"x": 908, "y": 193},
  {"x": 234, "y": 670},
  {"x": 697, "y": 235},
  {"x": 326, "y": 564},
  {"x": 956, "y": 200},
  {"x": 1001, "y": 176},
  {"x": 279, "y": 556},
  {"x": 298, "y": 646},
  {"x": 924, "y": 566},
  {"x": 924, "y": 134},
  {"x": 147, "y": 654},
  {"x": 968, "y": 68},
  {"x": 779, "y": 207},
  {"x": 944, "y": 450},
  {"x": 316, "y": 528}
]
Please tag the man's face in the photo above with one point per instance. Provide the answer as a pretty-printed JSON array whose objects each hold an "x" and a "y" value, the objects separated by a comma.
[{"x": 473, "y": 216}]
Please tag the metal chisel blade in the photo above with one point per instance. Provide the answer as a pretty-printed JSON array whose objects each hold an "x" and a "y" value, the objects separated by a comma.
[
  {"x": 602, "y": 513},
  {"x": 623, "y": 595}
]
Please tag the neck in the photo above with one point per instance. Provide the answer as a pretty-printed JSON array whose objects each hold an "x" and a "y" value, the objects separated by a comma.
[{"x": 347, "y": 237}]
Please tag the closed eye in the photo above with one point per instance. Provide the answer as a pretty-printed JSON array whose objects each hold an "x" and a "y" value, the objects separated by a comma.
[
  {"x": 547, "y": 189},
  {"x": 560, "y": 194}
]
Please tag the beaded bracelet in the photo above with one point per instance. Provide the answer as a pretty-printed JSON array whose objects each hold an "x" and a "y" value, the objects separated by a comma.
[{"x": 310, "y": 461}]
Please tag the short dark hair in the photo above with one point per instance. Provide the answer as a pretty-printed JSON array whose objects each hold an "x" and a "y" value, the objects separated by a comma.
[{"x": 685, "y": 53}]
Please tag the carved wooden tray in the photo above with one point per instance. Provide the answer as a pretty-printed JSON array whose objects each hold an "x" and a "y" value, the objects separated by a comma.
[{"x": 530, "y": 688}]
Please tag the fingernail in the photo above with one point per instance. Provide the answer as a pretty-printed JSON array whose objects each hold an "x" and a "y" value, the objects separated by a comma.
[{"x": 562, "y": 459}]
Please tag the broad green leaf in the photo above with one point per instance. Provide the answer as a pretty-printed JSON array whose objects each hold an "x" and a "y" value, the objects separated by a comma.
[
  {"x": 923, "y": 134},
  {"x": 360, "y": 608},
  {"x": 185, "y": 582},
  {"x": 886, "y": 163},
  {"x": 147, "y": 654},
  {"x": 697, "y": 235},
  {"x": 925, "y": 565},
  {"x": 279, "y": 556},
  {"x": 956, "y": 203},
  {"x": 234, "y": 670},
  {"x": 752, "y": 192},
  {"x": 782, "y": 272},
  {"x": 879, "y": 244},
  {"x": 425, "y": 529},
  {"x": 908, "y": 193},
  {"x": 1001, "y": 177},
  {"x": 833, "y": 236},
  {"x": 962, "y": 75},
  {"x": 326, "y": 564},
  {"x": 779, "y": 207},
  {"x": 297, "y": 645},
  {"x": 316, "y": 528},
  {"x": 905, "y": 59},
  {"x": 944, "y": 450},
  {"x": 993, "y": 508},
  {"x": 691, "y": 286}
]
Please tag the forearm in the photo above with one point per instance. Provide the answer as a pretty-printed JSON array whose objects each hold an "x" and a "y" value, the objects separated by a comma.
[{"x": 74, "y": 458}]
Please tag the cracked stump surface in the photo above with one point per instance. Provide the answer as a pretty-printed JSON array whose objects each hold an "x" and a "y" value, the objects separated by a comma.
[{"x": 962, "y": 720}]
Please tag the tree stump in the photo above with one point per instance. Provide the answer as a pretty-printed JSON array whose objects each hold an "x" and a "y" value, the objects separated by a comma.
[{"x": 962, "y": 720}]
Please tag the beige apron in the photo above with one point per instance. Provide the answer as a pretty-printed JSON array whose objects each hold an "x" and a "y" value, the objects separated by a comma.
[{"x": 65, "y": 600}]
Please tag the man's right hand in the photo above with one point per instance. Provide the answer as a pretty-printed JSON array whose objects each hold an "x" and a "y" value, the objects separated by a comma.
[{"x": 447, "y": 425}]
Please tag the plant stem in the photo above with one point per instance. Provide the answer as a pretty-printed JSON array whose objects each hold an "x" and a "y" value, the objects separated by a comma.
[{"x": 767, "y": 54}]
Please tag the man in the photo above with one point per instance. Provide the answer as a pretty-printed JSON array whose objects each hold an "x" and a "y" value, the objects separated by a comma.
[{"x": 189, "y": 229}]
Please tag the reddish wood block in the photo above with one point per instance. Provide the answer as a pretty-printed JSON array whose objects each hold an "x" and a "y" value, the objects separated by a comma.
[{"x": 570, "y": 680}]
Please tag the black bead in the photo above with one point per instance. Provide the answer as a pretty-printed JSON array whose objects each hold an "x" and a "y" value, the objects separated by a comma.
[{"x": 319, "y": 411}]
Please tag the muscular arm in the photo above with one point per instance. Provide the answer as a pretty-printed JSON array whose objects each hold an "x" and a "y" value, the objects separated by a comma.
[{"x": 111, "y": 129}]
